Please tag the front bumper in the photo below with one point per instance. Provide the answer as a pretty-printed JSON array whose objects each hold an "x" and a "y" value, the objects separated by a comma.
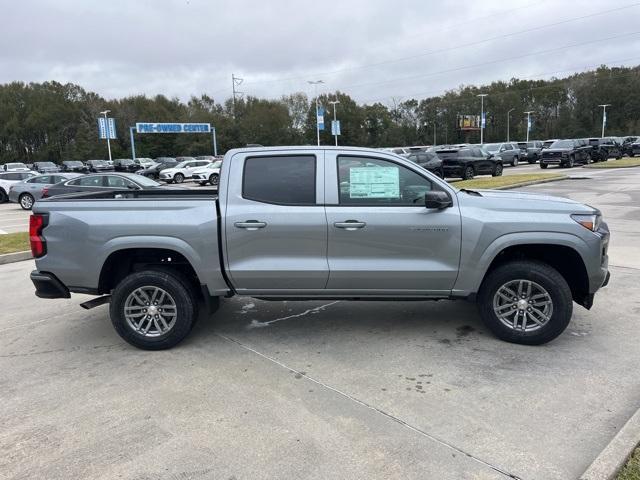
[{"x": 48, "y": 286}]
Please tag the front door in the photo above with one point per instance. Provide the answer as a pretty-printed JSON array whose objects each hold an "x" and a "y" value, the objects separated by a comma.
[
  {"x": 382, "y": 238},
  {"x": 275, "y": 224}
]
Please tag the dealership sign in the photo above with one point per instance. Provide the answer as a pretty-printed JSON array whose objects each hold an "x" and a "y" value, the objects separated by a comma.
[{"x": 173, "y": 127}]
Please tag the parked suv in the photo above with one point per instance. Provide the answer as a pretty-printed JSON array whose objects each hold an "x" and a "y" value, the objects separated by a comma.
[
  {"x": 428, "y": 160},
  {"x": 531, "y": 150},
  {"x": 466, "y": 162},
  {"x": 98, "y": 166},
  {"x": 183, "y": 170},
  {"x": 154, "y": 170},
  {"x": 45, "y": 167},
  {"x": 566, "y": 153},
  {"x": 74, "y": 166},
  {"x": 125, "y": 165},
  {"x": 509, "y": 153}
]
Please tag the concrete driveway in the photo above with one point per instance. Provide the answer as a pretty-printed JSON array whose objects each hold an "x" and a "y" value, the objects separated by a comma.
[{"x": 324, "y": 389}]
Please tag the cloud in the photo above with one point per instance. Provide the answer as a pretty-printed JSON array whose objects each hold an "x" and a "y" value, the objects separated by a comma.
[{"x": 373, "y": 50}]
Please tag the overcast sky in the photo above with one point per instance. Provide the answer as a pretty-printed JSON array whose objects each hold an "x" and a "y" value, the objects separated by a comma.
[{"x": 375, "y": 50}]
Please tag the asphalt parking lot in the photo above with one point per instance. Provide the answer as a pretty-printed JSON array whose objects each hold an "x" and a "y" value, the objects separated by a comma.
[{"x": 324, "y": 389}]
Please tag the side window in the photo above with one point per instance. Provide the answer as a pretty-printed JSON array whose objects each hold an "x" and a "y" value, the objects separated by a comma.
[
  {"x": 119, "y": 182},
  {"x": 87, "y": 182},
  {"x": 372, "y": 181},
  {"x": 508, "y": 147},
  {"x": 284, "y": 180},
  {"x": 465, "y": 152},
  {"x": 45, "y": 180}
]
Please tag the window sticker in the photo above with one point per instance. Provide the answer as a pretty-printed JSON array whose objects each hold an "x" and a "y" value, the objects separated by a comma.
[{"x": 374, "y": 182}]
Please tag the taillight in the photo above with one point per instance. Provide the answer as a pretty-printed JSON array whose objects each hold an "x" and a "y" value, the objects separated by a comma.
[
  {"x": 37, "y": 223},
  {"x": 45, "y": 192}
]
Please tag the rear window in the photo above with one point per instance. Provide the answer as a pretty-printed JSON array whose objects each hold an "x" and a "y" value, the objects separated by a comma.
[{"x": 283, "y": 180}]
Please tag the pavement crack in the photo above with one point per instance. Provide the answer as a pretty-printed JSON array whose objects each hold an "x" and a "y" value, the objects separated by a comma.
[
  {"x": 377, "y": 410},
  {"x": 257, "y": 324}
]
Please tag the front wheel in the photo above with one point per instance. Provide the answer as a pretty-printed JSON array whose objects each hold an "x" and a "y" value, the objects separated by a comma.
[
  {"x": 515, "y": 162},
  {"x": 213, "y": 179},
  {"x": 153, "y": 309},
  {"x": 3, "y": 196},
  {"x": 468, "y": 173},
  {"x": 26, "y": 201},
  {"x": 543, "y": 165},
  {"x": 178, "y": 178},
  {"x": 525, "y": 302},
  {"x": 497, "y": 170}
]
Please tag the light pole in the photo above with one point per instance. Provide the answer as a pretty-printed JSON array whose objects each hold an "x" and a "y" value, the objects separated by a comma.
[
  {"x": 315, "y": 84},
  {"x": 482, "y": 95},
  {"x": 604, "y": 116},
  {"x": 334, "y": 103},
  {"x": 508, "y": 115},
  {"x": 106, "y": 129},
  {"x": 528, "y": 123}
]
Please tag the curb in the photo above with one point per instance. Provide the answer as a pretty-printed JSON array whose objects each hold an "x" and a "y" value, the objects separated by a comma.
[
  {"x": 610, "y": 168},
  {"x": 616, "y": 453},
  {"x": 531, "y": 182},
  {"x": 15, "y": 257}
]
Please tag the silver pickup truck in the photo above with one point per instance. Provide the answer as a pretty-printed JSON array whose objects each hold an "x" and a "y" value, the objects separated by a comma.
[{"x": 320, "y": 223}]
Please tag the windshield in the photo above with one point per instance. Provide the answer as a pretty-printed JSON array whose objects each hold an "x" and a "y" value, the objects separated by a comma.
[
  {"x": 562, "y": 144},
  {"x": 215, "y": 164},
  {"x": 126, "y": 162},
  {"x": 146, "y": 182},
  {"x": 531, "y": 144},
  {"x": 46, "y": 164},
  {"x": 181, "y": 165},
  {"x": 101, "y": 163},
  {"x": 11, "y": 166},
  {"x": 492, "y": 147},
  {"x": 74, "y": 164}
]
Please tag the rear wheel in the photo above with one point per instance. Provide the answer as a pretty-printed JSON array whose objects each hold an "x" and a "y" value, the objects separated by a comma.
[
  {"x": 588, "y": 159},
  {"x": 153, "y": 309},
  {"x": 571, "y": 162},
  {"x": 26, "y": 201},
  {"x": 3, "y": 196},
  {"x": 526, "y": 302},
  {"x": 178, "y": 178},
  {"x": 497, "y": 170},
  {"x": 468, "y": 173}
]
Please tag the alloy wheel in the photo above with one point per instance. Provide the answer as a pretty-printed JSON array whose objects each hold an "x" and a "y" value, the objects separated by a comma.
[
  {"x": 150, "y": 311},
  {"x": 523, "y": 305}
]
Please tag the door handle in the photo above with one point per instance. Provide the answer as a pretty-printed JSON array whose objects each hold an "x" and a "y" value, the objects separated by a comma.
[
  {"x": 350, "y": 225},
  {"x": 251, "y": 224}
]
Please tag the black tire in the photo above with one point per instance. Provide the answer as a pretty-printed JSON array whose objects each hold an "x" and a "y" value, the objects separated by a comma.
[
  {"x": 468, "y": 172},
  {"x": 213, "y": 179},
  {"x": 178, "y": 178},
  {"x": 588, "y": 160},
  {"x": 3, "y": 196},
  {"x": 26, "y": 201},
  {"x": 497, "y": 170},
  {"x": 543, "y": 165},
  {"x": 534, "y": 271},
  {"x": 514, "y": 162},
  {"x": 177, "y": 286},
  {"x": 572, "y": 161}
]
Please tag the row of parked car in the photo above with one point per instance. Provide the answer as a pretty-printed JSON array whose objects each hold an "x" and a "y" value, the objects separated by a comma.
[
  {"x": 467, "y": 160},
  {"x": 20, "y": 184}
]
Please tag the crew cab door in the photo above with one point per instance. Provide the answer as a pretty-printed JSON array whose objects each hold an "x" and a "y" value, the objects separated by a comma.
[
  {"x": 275, "y": 225},
  {"x": 382, "y": 238}
]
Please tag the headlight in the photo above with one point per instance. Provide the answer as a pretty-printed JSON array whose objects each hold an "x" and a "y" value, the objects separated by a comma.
[{"x": 590, "y": 221}]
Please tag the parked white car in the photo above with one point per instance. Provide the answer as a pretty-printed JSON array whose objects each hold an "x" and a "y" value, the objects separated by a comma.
[
  {"x": 208, "y": 174},
  {"x": 182, "y": 171},
  {"x": 10, "y": 178},
  {"x": 15, "y": 167}
]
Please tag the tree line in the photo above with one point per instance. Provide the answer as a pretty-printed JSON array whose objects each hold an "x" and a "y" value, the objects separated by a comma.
[{"x": 54, "y": 121}]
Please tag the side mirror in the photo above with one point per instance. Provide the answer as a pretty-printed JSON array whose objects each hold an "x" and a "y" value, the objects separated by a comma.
[{"x": 437, "y": 199}]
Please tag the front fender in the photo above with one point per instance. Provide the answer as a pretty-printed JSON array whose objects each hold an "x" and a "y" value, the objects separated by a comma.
[{"x": 475, "y": 262}]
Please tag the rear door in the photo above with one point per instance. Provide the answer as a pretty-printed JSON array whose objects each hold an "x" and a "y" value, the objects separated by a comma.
[
  {"x": 382, "y": 238},
  {"x": 275, "y": 225}
]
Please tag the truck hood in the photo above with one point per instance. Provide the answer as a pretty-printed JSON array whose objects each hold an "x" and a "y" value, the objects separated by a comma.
[{"x": 527, "y": 202}]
